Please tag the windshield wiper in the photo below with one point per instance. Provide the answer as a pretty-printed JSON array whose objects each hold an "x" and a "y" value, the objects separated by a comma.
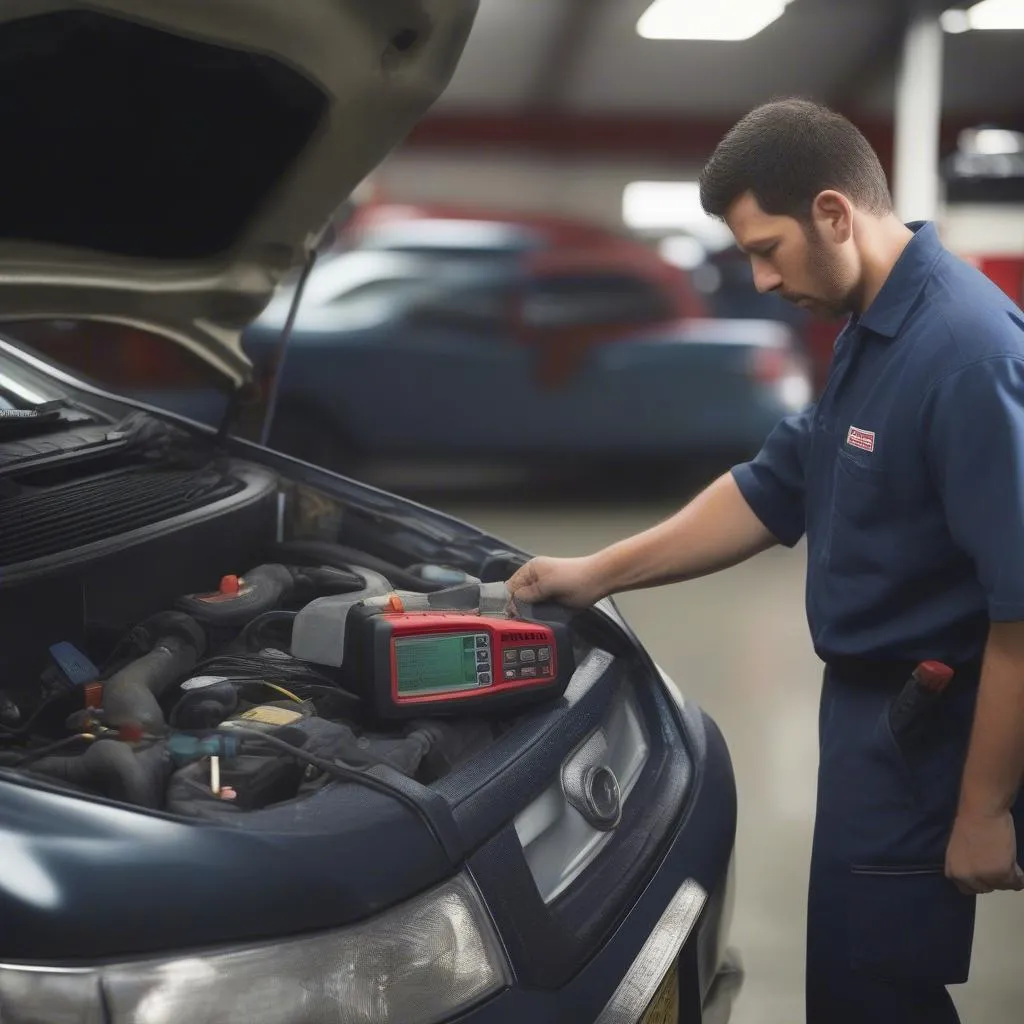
[{"x": 15, "y": 423}]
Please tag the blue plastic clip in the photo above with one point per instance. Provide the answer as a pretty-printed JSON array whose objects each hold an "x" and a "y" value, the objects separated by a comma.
[{"x": 77, "y": 668}]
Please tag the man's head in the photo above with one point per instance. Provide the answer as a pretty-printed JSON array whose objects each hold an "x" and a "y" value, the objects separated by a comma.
[{"x": 801, "y": 190}]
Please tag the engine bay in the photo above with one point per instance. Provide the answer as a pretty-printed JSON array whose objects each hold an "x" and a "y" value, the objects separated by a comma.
[
  {"x": 178, "y": 627},
  {"x": 202, "y": 710}
]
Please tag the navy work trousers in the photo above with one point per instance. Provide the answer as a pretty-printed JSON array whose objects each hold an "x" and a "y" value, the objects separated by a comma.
[{"x": 886, "y": 930}]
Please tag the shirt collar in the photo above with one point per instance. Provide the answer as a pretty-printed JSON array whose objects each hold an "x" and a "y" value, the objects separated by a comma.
[{"x": 886, "y": 315}]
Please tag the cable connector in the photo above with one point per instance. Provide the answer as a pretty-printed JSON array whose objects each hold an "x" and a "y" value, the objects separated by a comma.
[{"x": 184, "y": 748}]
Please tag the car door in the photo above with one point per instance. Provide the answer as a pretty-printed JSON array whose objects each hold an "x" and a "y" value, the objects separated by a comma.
[{"x": 569, "y": 321}]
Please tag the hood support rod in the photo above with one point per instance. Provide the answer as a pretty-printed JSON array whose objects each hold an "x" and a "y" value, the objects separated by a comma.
[{"x": 282, "y": 348}]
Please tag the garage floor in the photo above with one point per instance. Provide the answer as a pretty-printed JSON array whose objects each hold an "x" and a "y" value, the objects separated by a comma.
[{"x": 737, "y": 643}]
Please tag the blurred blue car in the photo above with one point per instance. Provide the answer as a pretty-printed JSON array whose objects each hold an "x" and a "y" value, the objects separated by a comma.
[{"x": 488, "y": 337}]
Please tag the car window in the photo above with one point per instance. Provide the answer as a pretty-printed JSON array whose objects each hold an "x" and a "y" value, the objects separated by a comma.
[
  {"x": 338, "y": 277},
  {"x": 446, "y": 289},
  {"x": 565, "y": 300},
  {"x": 477, "y": 305}
]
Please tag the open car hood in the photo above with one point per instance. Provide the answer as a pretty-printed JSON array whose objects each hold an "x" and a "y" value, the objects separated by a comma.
[{"x": 167, "y": 162}]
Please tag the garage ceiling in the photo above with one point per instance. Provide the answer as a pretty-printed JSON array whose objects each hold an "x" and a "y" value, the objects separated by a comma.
[{"x": 584, "y": 57}]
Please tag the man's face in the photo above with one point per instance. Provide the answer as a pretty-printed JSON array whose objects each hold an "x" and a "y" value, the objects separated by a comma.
[{"x": 793, "y": 260}]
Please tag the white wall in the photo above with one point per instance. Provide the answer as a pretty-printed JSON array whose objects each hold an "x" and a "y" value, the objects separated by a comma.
[
  {"x": 588, "y": 189},
  {"x": 974, "y": 229},
  {"x": 593, "y": 190}
]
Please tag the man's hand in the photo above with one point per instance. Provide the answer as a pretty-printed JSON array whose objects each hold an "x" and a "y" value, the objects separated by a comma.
[
  {"x": 982, "y": 853},
  {"x": 572, "y": 582}
]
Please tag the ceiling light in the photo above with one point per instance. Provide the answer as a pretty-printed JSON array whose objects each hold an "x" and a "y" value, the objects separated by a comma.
[
  {"x": 661, "y": 205},
  {"x": 996, "y": 141},
  {"x": 665, "y": 207},
  {"x": 955, "y": 21},
  {"x": 697, "y": 19},
  {"x": 991, "y": 141},
  {"x": 997, "y": 15}
]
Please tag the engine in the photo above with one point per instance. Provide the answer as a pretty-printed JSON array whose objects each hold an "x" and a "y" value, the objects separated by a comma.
[{"x": 203, "y": 709}]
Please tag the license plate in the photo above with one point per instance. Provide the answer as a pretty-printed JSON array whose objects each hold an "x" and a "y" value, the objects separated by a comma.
[{"x": 664, "y": 1007}]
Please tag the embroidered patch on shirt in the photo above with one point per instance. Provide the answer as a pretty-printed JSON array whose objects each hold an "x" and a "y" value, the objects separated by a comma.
[{"x": 864, "y": 439}]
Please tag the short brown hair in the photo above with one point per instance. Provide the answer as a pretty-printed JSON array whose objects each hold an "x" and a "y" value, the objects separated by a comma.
[{"x": 788, "y": 151}]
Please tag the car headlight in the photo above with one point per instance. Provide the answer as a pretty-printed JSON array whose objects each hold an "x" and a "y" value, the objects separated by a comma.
[{"x": 419, "y": 963}]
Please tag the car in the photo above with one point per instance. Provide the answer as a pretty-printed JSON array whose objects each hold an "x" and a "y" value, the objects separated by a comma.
[
  {"x": 603, "y": 349},
  {"x": 256, "y": 764}
]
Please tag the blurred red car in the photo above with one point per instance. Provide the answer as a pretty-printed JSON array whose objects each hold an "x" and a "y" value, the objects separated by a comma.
[{"x": 553, "y": 247}]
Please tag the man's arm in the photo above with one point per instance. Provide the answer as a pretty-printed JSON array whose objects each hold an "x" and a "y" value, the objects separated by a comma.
[
  {"x": 716, "y": 530},
  {"x": 759, "y": 504},
  {"x": 982, "y": 853},
  {"x": 972, "y": 427}
]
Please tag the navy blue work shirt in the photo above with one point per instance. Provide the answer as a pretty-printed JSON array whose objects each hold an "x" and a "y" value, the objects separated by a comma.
[{"x": 908, "y": 474}]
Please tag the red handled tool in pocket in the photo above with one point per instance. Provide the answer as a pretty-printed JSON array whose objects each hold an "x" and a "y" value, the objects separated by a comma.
[{"x": 926, "y": 685}]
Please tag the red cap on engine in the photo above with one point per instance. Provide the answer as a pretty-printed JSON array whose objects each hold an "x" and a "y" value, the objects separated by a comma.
[{"x": 230, "y": 585}]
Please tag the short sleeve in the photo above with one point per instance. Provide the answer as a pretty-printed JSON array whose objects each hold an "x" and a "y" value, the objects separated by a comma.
[
  {"x": 774, "y": 481},
  {"x": 972, "y": 423}
]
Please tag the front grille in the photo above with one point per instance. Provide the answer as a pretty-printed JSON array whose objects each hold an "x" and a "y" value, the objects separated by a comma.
[{"x": 53, "y": 520}]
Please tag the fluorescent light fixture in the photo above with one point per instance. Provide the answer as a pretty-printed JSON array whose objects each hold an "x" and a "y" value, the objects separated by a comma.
[
  {"x": 729, "y": 20},
  {"x": 955, "y": 21},
  {"x": 993, "y": 15},
  {"x": 662, "y": 205},
  {"x": 668, "y": 207},
  {"x": 997, "y": 142}
]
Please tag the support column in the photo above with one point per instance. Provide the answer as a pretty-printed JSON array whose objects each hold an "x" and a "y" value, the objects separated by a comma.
[{"x": 918, "y": 118}]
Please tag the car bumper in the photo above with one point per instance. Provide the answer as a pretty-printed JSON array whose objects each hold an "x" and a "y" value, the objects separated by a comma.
[{"x": 680, "y": 921}]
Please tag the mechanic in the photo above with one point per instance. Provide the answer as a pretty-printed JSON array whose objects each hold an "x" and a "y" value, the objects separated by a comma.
[{"x": 907, "y": 477}]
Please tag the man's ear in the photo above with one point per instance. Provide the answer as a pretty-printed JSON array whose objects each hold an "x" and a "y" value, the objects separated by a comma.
[{"x": 832, "y": 213}]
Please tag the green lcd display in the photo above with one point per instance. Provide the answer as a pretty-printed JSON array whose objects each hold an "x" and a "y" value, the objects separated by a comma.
[{"x": 438, "y": 664}]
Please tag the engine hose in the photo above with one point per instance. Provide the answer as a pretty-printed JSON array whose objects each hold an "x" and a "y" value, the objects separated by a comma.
[
  {"x": 254, "y": 630},
  {"x": 131, "y": 695},
  {"x": 113, "y": 769},
  {"x": 262, "y": 590},
  {"x": 340, "y": 557}
]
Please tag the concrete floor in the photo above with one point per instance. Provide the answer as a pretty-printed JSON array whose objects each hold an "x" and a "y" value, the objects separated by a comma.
[{"x": 737, "y": 643}]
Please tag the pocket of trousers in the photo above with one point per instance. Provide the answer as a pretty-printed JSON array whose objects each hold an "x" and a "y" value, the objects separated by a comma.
[
  {"x": 910, "y": 924},
  {"x": 894, "y": 753},
  {"x": 930, "y": 761}
]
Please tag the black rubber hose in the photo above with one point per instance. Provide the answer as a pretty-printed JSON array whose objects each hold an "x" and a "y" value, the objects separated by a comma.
[
  {"x": 338, "y": 556},
  {"x": 113, "y": 769},
  {"x": 254, "y": 630},
  {"x": 206, "y": 707},
  {"x": 265, "y": 586},
  {"x": 131, "y": 695}
]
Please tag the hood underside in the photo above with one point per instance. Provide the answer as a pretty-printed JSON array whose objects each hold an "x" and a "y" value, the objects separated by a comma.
[{"x": 168, "y": 162}]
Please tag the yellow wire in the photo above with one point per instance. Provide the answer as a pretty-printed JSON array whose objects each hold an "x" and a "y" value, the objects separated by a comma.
[{"x": 281, "y": 689}]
